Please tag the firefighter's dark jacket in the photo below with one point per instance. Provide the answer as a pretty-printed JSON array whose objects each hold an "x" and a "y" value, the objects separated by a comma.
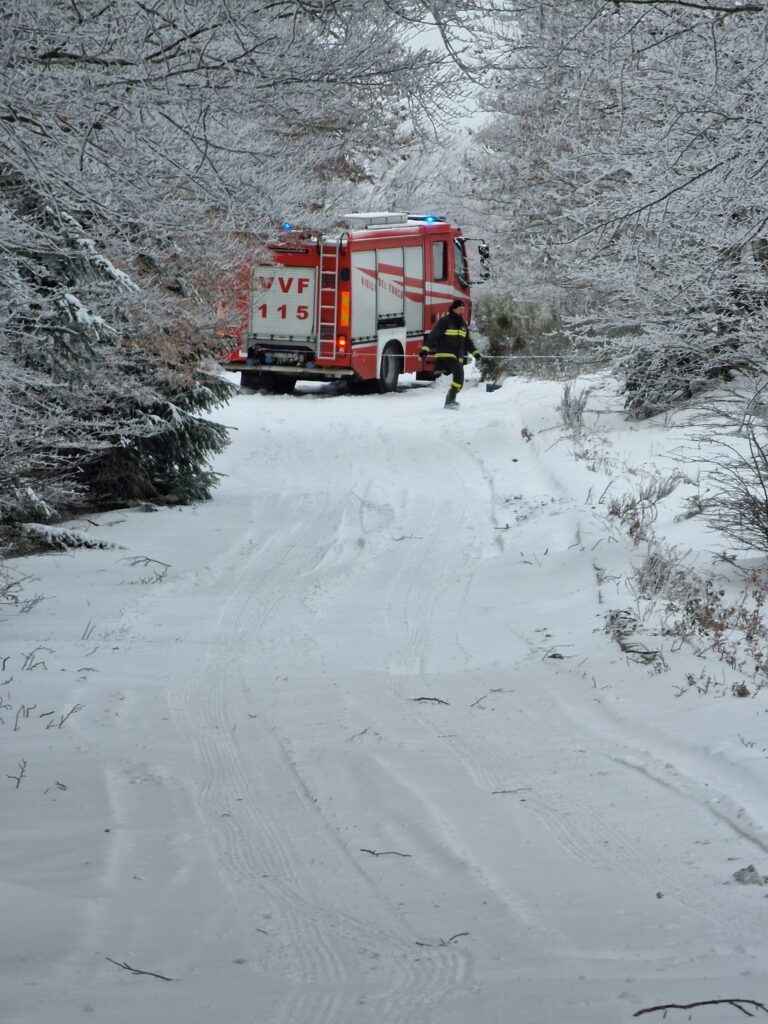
[{"x": 449, "y": 338}]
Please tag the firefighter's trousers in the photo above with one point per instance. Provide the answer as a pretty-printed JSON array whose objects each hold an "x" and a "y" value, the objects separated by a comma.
[{"x": 446, "y": 362}]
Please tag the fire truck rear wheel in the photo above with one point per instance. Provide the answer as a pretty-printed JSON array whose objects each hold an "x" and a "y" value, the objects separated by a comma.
[{"x": 391, "y": 367}]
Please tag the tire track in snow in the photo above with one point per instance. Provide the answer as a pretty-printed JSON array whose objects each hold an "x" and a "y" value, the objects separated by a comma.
[
  {"x": 401, "y": 637},
  {"x": 316, "y": 934},
  {"x": 255, "y": 853},
  {"x": 410, "y": 607},
  {"x": 423, "y": 611},
  {"x": 582, "y": 825},
  {"x": 577, "y": 828},
  {"x": 671, "y": 771},
  {"x": 421, "y": 577},
  {"x": 444, "y": 970},
  {"x": 683, "y": 771}
]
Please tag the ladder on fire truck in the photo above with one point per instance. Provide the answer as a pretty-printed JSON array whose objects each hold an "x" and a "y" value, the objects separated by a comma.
[{"x": 328, "y": 297}]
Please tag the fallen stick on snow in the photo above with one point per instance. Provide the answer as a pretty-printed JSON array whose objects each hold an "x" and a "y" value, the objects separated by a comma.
[
  {"x": 384, "y": 853},
  {"x": 739, "y": 1004},
  {"x": 135, "y": 970}
]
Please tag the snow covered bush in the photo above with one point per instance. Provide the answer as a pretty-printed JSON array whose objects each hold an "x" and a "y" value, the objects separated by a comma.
[
  {"x": 57, "y": 538},
  {"x": 518, "y": 332},
  {"x": 656, "y": 378}
]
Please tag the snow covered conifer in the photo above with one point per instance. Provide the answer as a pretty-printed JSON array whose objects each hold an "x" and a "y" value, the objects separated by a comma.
[{"x": 80, "y": 395}]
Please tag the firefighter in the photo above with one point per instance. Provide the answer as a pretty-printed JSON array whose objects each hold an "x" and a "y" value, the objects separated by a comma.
[{"x": 450, "y": 344}]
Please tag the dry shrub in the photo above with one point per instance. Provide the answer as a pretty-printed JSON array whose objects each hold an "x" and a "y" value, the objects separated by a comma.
[
  {"x": 697, "y": 611},
  {"x": 738, "y": 507},
  {"x": 572, "y": 407},
  {"x": 636, "y": 511}
]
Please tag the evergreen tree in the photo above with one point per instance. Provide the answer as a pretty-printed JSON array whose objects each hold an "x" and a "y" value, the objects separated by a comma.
[{"x": 88, "y": 416}]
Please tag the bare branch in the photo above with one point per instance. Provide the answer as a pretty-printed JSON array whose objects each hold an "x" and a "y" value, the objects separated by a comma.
[
  {"x": 385, "y": 853},
  {"x": 746, "y": 8},
  {"x": 738, "y": 1004},
  {"x": 22, "y": 771},
  {"x": 135, "y": 970}
]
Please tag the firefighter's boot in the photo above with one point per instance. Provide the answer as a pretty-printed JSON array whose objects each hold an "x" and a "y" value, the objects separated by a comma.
[{"x": 450, "y": 398}]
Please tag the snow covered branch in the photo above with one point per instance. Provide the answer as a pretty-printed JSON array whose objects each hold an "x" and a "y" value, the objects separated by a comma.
[
  {"x": 625, "y": 155},
  {"x": 147, "y": 150}
]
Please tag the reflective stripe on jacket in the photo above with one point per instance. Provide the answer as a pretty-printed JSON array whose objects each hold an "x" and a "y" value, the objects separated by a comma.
[{"x": 449, "y": 338}]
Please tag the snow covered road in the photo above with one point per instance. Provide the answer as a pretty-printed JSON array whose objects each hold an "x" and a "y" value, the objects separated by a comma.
[{"x": 366, "y": 754}]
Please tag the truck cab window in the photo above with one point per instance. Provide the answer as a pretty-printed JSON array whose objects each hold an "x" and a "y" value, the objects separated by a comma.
[{"x": 440, "y": 260}]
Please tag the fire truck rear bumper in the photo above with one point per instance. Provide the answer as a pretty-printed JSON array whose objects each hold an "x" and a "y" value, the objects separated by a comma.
[{"x": 297, "y": 373}]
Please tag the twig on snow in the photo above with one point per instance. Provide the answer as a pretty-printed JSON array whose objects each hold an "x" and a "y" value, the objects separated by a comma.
[
  {"x": 428, "y": 700},
  {"x": 479, "y": 699},
  {"x": 384, "y": 853},
  {"x": 739, "y": 1004},
  {"x": 443, "y": 942},
  {"x": 135, "y": 970},
  {"x": 29, "y": 659},
  {"x": 63, "y": 718},
  {"x": 20, "y": 776},
  {"x": 23, "y": 712}
]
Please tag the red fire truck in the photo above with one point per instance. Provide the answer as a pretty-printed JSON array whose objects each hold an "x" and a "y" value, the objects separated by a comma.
[{"x": 351, "y": 305}]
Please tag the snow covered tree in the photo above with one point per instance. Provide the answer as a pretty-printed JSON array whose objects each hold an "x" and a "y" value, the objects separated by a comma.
[
  {"x": 146, "y": 151},
  {"x": 625, "y": 159},
  {"x": 78, "y": 391}
]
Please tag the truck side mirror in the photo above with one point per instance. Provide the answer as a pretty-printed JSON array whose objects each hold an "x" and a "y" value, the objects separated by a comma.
[{"x": 484, "y": 252}]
